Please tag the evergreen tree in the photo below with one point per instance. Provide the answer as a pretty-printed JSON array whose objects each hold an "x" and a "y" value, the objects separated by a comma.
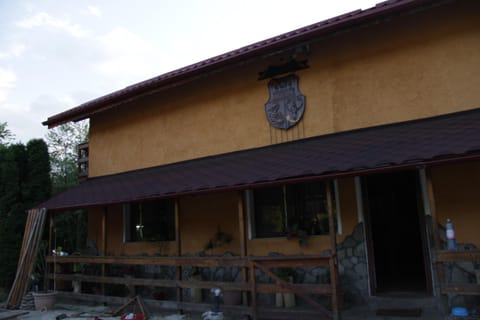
[
  {"x": 24, "y": 182},
  {"x": 12, "y": 209},
  {"x": 38, "y": 184}
]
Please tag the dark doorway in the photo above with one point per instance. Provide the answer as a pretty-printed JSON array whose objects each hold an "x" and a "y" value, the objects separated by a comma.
[{"x": 395, "y": 226}]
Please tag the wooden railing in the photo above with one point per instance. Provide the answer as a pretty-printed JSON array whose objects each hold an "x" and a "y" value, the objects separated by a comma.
[
  {"x": 248, "y": 285},
  {"x": 445, "y": 257}
]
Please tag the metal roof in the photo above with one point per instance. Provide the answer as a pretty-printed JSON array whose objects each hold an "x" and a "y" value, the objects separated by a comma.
[
  {"x": 275, "y": 44},
  {"x": 450, "y": 137}
]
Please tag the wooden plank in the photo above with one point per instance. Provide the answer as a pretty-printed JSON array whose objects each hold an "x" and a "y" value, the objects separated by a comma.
[
  {"x": 241, "y": 225},
  {"x": 464, "y": 289},
  {"x": 297, "y": 290},
  {"x": 277, "y": 261},
  {"x": 461, "y": 255},
  {"x": 104, "y": 242},
  {"x": 243, "y": 240},
  {"x": 333, "y": 248},
  {"x": 178, "y": 244},
  {"x": 29, "y": 250},
  {"x": 163, "y": 261},
  {"x": 433, "y": 209},
  {"x": 13, "y": 315},
  {"x": 323, "y": 289},
  {"x": 253, "y": 290}
]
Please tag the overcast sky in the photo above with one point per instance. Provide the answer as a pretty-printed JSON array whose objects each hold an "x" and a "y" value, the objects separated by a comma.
[{"x": 58, "y": 54}]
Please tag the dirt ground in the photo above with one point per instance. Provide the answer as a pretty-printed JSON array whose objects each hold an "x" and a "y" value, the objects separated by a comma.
[{"x": 82, "y": 312}]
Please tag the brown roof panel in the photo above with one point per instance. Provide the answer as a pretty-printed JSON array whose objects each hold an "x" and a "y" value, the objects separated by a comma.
[{"x": 412, "y": 143}]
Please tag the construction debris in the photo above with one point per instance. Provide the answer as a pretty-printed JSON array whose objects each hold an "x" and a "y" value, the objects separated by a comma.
[{"x": 136, "y": 301}]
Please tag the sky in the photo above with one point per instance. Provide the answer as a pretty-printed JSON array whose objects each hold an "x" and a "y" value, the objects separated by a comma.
[{"x": 58, "y": 54}]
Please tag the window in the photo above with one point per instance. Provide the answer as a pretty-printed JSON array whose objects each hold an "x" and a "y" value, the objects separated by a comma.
[
  {"x": 150, "y": 220},
  {"x": 288, "y": 210}
]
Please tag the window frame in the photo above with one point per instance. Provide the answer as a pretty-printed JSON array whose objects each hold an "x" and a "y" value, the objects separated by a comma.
[{"x": 127, "y": 220}]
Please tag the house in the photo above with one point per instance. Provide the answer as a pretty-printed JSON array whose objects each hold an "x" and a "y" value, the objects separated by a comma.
[{"x": 337, "y": 151}]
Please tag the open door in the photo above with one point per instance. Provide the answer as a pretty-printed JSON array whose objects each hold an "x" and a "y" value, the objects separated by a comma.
[{"x": 396, "y": 234}]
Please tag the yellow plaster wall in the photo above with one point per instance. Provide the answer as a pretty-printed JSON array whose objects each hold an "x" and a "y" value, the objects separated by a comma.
[
  {"x": 409, "y": 67},
  {"x": 200, "y": 216},
  {"x": 456, "y": 189}
]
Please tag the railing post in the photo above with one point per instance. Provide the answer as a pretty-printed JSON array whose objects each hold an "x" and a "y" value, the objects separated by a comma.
[
  {"x": 104, "y": 243},
  {"x": 253, "y": 290}
]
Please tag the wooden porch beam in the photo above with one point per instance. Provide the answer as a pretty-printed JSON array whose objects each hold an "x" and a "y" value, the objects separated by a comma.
[
  {"x": 104, "y": 242},
  {"x": 280, "y": 261},
  {"x": 433, "y": 209},
  {"x": 243, "y": 241},
  {"x": 333, "y": 248},
  {"x": 178, "y": 242}
]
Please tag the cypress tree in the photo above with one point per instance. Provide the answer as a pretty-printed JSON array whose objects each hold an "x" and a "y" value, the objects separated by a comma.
[
  {"x": 38, "y": 185},
  {"x": 12, "y": 209},
  {"x": 24, "y": 183}
]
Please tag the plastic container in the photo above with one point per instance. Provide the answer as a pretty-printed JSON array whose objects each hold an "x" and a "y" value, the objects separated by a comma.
[{"x": 459, "y": 312}]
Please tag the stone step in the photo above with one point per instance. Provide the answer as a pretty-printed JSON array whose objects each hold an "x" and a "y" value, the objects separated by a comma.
[{"x": 426, "y": 305}]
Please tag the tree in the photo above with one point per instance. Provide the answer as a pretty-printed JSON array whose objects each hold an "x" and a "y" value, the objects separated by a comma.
[
  {"x": 5, "y": 135},
  {"x": 24, "y": 182},
  {"x": 38, "y": 185},
  {"x": 62, "y": 143}
]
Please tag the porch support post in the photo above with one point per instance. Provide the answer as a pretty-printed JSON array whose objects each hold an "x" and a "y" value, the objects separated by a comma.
[
  {"x": 333, "y": 248},
  {"x": 51, "y": 227},
  {"x": 243, "y": 245},
  {"x": 104, "y": 243},
  {"x": 178, "y": 273},
  {"x": 436, "y": 237},
  {"x": 433, "y": 209}
]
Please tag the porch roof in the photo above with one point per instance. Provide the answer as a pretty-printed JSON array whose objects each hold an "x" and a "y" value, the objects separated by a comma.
[{"x": 450, "y": 137}]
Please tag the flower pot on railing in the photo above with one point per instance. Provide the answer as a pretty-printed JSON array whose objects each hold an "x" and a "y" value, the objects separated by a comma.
[{"x": 44, "y": 300}]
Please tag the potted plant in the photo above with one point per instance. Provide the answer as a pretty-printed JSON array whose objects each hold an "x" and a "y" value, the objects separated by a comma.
[{"x": 219, "y": 239}]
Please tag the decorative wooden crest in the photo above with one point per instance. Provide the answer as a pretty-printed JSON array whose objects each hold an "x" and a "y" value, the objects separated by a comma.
[{"x": 286, "y": 104}]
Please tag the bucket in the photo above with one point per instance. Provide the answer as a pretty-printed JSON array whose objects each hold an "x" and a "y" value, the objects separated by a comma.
[{"x": 44, "y": 300}]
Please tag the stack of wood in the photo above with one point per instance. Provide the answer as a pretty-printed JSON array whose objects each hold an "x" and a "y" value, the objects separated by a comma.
[{"x": 28, "y": 253}]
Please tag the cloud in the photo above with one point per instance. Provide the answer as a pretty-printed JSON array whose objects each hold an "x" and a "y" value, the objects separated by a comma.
[
  {"x": 15, "y": 50},
  {"x": 7, "y": 82},
  {"x": 43, "y": 19},
  {"x": 127, "y": 56},
  {"x": 95, "y": 11}
]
